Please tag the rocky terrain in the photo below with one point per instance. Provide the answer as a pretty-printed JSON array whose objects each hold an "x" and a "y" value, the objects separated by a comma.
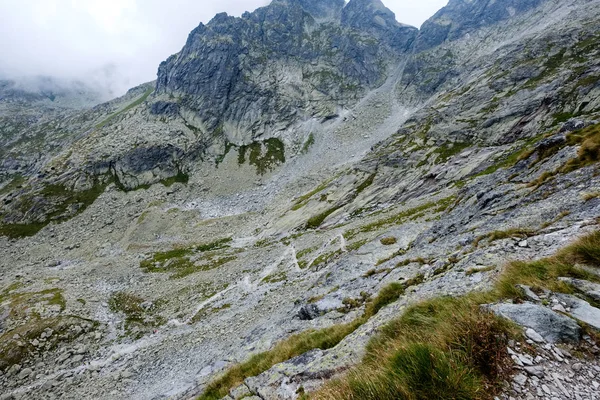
[{"x": 283, "y": 169}]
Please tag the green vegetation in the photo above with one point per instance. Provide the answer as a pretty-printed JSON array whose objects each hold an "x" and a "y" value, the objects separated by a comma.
[
  {"x": 588, "y": 140},
  {"x": 273, "y": 155},
  {"x": 127, "y": 108},
  {"x": 473, "y": 271},
  {"x": 181, "y": 177},
  {"x": 521, "y": 152},
  {"x": 446, "y": 152},
  {"x": 297, "y": 345},
  {"x": 388, "y": 241},
  {"x": 590, "y": 196},
  {"x": 387, "y": 295},
  {"x": 440, "y": 349},
  {"x": 300, "y": 255},
  {"x": 407, "y": 215},
  {"x": 325, "y": 258},
  {"x": 307, "y": 145},
  {"x": 15, "y": 344},
  {"x": 178, "y": 262},
  {"x": 15, "y": 183},
  {"x": 275, "y": 277},
  {"x": 449, "y": 348},
  {"x": 589, "y": 151},
  {"x": 361, "y": 188},
  {"x": 444, "y": 348},
  {"x": 128, "y": 304},
  {"x": 289, "y": 348},
  {"x": 302, "y": 200},
  {"x": 550, "y": 66},
  {"x": 544, "y": 273},
  {"x": 22, "y": 303},
  {"x": 200, "y": 315},
  {"x": 357, "y": 245},
  {"x": 373, "y": 272},
  {"x": 64, "y": 202},
  {"x": 137, "y": 318},
  {"x": 316, "y": 221},
  {"x": 521, "y": 233}
]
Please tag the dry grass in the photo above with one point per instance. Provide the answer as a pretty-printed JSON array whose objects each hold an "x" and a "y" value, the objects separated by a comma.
[
  {"x": 450, "y": 348},
  {"x": 444, "y": 348},
  {"x": 590, "y": 196},
  {"x": 388, "y": 241},
  {"x": 441, "y": 349},
  {"x": 521, "y": 233},
  {"x": 299, "y": 344},
  {"x": 589, "y": 151}
]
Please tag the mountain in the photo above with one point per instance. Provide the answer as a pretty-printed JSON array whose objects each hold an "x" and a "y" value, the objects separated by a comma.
[{"x": 296, "y": 181}]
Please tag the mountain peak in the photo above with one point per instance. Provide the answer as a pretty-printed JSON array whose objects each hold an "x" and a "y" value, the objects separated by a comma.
[{"x": 322, "y": 9}]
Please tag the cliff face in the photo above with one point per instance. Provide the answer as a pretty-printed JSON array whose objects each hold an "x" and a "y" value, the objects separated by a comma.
[
  {"x": 292, "y": 60},
  {"x": 461, "y": 17}
]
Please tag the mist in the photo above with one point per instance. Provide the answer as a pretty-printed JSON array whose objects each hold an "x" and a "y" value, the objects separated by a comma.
[{"x": 113, "y": 45}]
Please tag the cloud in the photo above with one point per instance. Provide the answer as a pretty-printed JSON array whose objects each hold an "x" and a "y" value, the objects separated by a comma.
[{"x": 119, "y": 43}]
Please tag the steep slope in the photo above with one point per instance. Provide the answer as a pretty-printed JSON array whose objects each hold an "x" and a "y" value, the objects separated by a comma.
[{"x": 432, "y": 174}]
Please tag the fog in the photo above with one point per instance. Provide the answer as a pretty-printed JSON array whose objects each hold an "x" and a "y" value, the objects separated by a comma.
[{"x": 116, "y": 44}]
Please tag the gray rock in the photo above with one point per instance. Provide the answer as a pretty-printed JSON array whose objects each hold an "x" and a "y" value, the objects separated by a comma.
[
  {"x": 581, "y": 310},
  {"x": 589, "y": 288},
  {"x": 551, "y": 326},
  {"x": 25, "y": 373},
  {"x": 533, "y": 335},
  {"x": 535, "y": 371},
  {"x": 520, "y": 379},
  {"x": 309, "y": 312},
  {"x": 240, "y": 392},
  {"x": 529, "y": 293}
]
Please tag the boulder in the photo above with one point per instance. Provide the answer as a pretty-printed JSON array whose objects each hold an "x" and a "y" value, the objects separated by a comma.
[
  {"x": 553, "y": 327},
  {"x": 581, "y": 310},
  {"x": 588, "y": 288}
]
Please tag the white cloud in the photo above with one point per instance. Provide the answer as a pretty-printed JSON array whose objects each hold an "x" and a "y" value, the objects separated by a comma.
[{"x": 120, "y": 41}]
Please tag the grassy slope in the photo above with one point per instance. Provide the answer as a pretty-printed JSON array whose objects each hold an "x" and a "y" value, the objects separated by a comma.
[{"x": 445, "y": 348}]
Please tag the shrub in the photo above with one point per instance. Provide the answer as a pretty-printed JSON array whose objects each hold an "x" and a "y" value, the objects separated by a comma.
[{"x": 388, "y": 241}]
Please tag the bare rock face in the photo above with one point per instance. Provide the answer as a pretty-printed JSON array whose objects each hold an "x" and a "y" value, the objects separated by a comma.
[
  {"x": 461, "y": 17},
  {"x": 553, "y": 327},
  {"x": 257, "y": 74}
]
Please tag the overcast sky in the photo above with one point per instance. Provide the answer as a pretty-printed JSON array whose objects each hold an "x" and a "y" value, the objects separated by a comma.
[{"x": 120, "y": 41}]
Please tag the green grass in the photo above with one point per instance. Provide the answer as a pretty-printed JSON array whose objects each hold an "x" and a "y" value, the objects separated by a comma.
[
  {"x": 181, "y": 177},
  {"x": 15, "y": 344},
  {"x": 444, "y": 348},
  {"x": 521, "y": 233},
  {"x": 127, "y": 108},
  {"x": 388, "y": 241},
  {"x": 298, "y": 344},
  {"x": 178, "y": 263},
  {"x": 446, "y": 152},
  {"x": 264, "y": 161},
  {"x": 451, "y": 348},
  {"x": 17, "y": 181},
  {"x": 317, "y": 220},
  {"x": 303, "y": 200},
  {"x": 285, "y": 350},
  {"x": 137, "y": 319},
  {"x": 403, "y": 216},
  {"x": 589, "y": 151},
  {"x": 63, "y": 200},
  {"x": 128, "y": 304},
  {"x": 308, "y": 144}
]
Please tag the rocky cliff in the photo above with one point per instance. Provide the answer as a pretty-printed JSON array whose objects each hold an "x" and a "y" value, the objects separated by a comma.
[{"x": 285, "y": 169}]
